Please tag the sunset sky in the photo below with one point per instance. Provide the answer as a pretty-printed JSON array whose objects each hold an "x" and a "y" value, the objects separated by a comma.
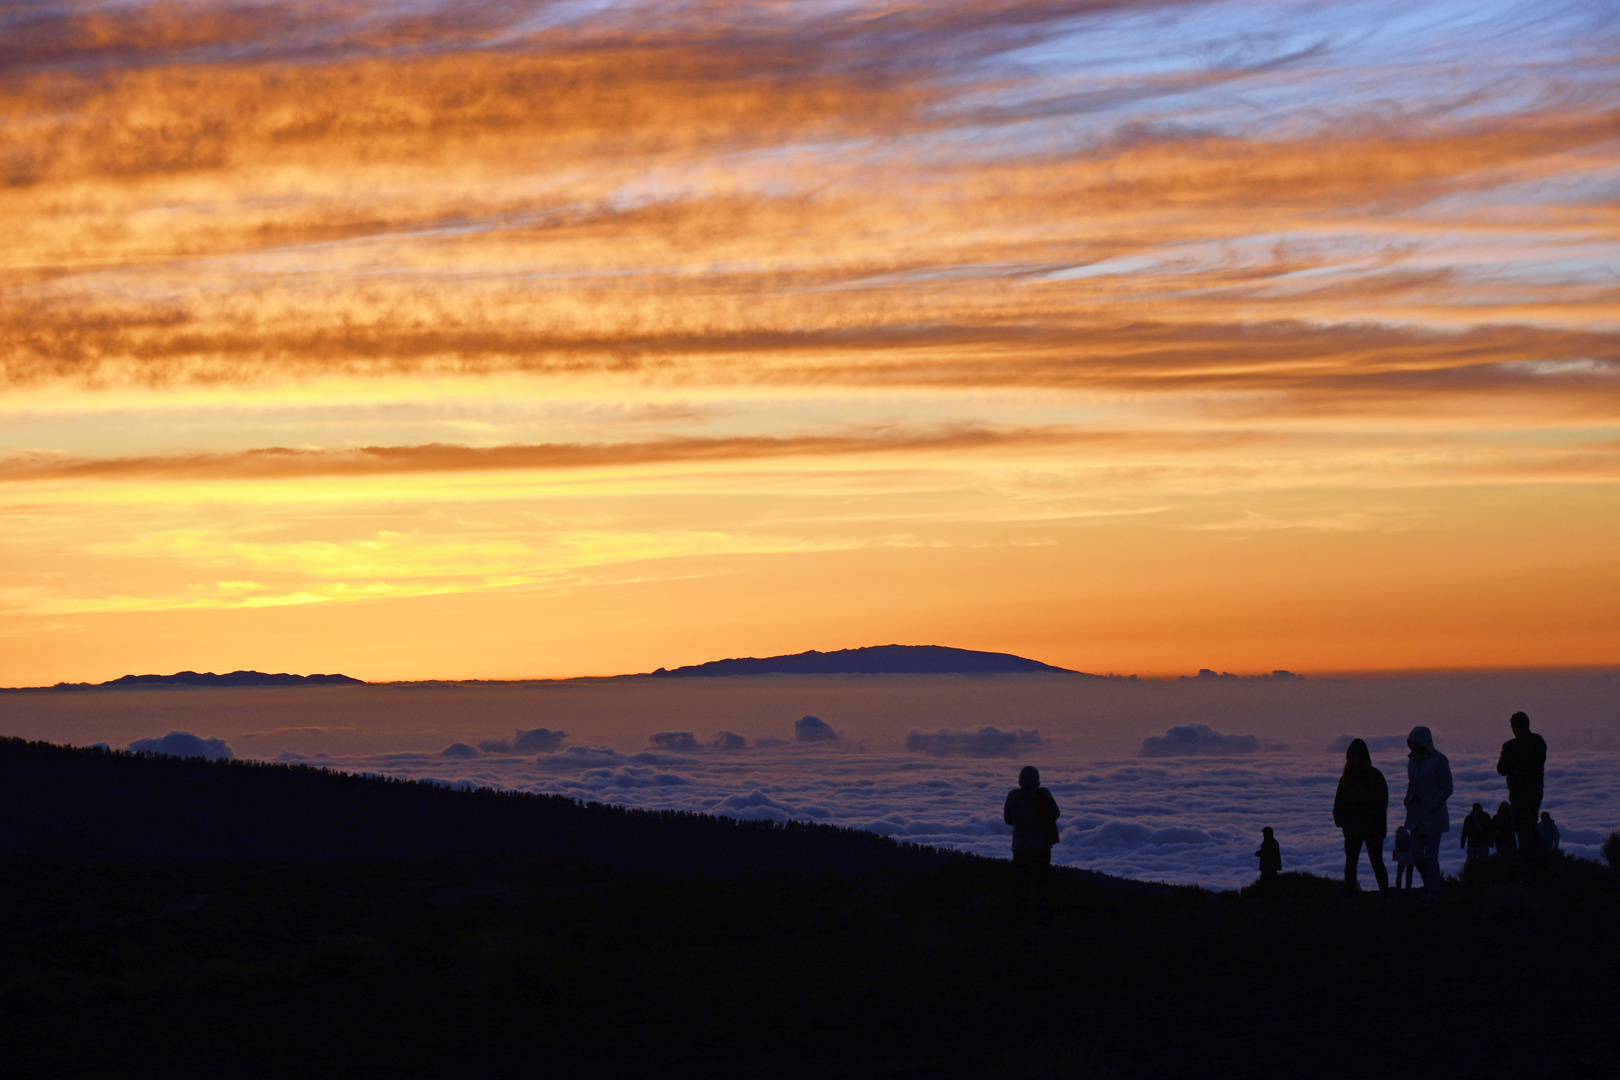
[{"x": 498, "y": 340}]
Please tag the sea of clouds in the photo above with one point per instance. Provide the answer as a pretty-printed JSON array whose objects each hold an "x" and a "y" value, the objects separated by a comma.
[{"x": 1187, "y": 807}]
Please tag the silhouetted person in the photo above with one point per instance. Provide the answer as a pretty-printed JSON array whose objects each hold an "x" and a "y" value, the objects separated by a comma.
[
  {"x": 1033, "y": 814},
  {"x": 1547, "y": 833},
  {"x": 1524, "y": 763},
  {"x": 1502, "y": 833},
  {"x": 1270, "y": 856},
  {"x": 1405, "y": 856},
  {"x": 1361, "y": 809},
  {"x": 1428, "y": 786},
  {"x": 1476, "y": 836}
]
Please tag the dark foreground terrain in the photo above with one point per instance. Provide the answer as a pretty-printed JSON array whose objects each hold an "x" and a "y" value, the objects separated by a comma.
[{"x": 499, "y": 964}]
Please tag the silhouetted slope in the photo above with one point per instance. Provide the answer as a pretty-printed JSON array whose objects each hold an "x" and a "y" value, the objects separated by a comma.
[
  {"x": 873, "y": 660},
  {"x": 57, "y": 798}
]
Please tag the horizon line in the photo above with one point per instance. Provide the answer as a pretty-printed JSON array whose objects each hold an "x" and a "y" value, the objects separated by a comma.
[{"x": 1318, "y": 675}]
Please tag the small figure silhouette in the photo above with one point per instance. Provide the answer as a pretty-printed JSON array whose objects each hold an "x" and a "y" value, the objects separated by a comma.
[
  {"x": 1361, "y": 810},
  {"x": 1270, "y": 856},
  {"x": 1547, "y": 833},
  {"x": 1524, "y": 763},
  {"x": 1502, "y": 834},
  {"x": 1428, "y": 786},
  {"x": 1476, "y": 836},
  {"x": 1032, "y": 813},
  {"x": 1405, "y": 857}
]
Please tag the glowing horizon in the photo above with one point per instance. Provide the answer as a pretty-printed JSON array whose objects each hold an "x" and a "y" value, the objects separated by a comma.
[{"x": 544, "y": 339}]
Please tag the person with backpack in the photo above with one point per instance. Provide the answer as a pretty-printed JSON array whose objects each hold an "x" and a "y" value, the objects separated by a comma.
[
  {"x": 1270, "y": 856},
  {"x": 1033, "y": 814}
]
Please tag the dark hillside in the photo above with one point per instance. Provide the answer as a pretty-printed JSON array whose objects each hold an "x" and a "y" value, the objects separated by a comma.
[
  {"x": 509, "y": 936},
  {"x": 513, "y": 966},
  {"x": 55, "y": 798}
]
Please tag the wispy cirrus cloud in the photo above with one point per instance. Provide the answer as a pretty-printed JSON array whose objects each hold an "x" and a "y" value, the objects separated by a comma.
[
  {"x": 748, "y": 193},
  {"x": 285, "y": 463},
  {"x": 1437, "y": 456}
]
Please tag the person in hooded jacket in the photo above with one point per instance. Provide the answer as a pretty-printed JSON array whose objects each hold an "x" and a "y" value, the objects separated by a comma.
[
  {"x": 1361, "y": 810},
  {"x": 1428, "y": 786},
  {"x": 1032, "y": 813}
]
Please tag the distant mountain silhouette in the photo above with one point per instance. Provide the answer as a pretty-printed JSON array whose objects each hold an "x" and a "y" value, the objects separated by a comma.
[
  {"x": 873, "y": 660},
  {"x": 208, "y": 678}
]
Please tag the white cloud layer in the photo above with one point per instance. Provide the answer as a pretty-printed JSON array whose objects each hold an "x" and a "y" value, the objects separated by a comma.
[
  {"x": 1180, "y": 816},
  {"x": 1192, "y": 819}
]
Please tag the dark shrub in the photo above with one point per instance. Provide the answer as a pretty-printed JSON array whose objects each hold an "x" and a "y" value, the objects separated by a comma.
[{"x": 1611, "y": 850}]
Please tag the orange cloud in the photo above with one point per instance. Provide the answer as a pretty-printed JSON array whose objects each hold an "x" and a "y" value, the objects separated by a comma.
[{"x": 283, "y": 463}]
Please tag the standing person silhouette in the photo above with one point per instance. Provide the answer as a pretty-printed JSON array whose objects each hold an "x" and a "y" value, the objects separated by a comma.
[
  {"x": 1503, "y": 834},
  {"x": 1361, "y": 809},
  {"x": 1547, "y": 830},
  {"x": 1403, "y": 857},
  {"x": 1524, "y": 763},
  {"x": 1428, "y": 786},
  {"x": 1270, "y": 856},
  {"x": 1476, "y": 837},
  {"x": 1032, "y": 813}
]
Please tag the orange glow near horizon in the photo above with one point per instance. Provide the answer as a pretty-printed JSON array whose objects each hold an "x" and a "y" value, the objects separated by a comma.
[{"x": 549, "y": 339}]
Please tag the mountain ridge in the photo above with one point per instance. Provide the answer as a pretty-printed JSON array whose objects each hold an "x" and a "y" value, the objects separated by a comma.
[
  {"x": 869, "y": 660},
  {"x": 864, "y": 660},
  {"x": 209, "y": 679}
]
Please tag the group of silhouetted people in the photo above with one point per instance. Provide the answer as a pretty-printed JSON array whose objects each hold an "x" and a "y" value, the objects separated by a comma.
[
  {"x": 1361, "y": 811},
  {"x": 1483, "y": 831},
  {"x": 1361, "y": 808}
]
